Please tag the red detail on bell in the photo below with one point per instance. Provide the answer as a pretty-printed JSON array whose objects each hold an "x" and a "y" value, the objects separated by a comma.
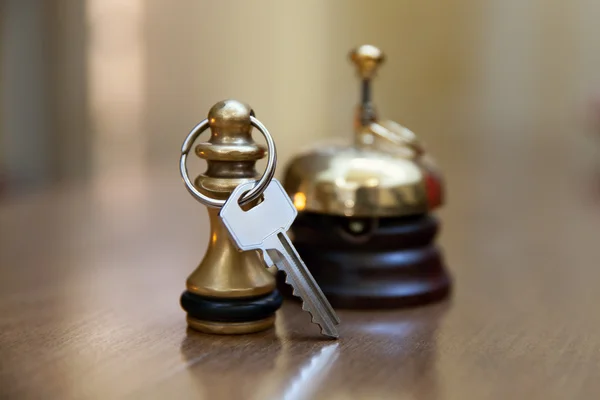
[{"x": 433, "y": 186}]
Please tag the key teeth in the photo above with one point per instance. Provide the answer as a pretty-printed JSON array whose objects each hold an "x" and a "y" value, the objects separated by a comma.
[
  {"x": 294, "y": 290},
  {"x": 312, "y": 317},
  {"x": 333, "y": 336},
  {"x": 295, "y": 293}
]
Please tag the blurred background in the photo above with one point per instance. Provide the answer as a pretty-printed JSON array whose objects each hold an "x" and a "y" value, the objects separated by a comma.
[{"x": 93, "y": 88}]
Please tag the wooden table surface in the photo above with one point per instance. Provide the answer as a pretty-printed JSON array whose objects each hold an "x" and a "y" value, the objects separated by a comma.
[{"x": 91, "y": 275}]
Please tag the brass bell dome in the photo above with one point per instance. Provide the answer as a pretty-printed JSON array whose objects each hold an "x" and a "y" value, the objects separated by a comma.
[{"x": 384, "y": 173}]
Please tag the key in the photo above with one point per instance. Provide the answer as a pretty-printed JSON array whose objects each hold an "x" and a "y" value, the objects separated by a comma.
[{"x": 265, "y": 227}]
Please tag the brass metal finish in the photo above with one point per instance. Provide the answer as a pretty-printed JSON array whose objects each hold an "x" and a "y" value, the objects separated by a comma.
[
  {"x": 356, "y": 183},
  {"x": 384, "y": 173},
  {"x": 221, "y": 153},
  {"x": 230, "y": 328},
  {"x": 225, "y": 272},
  {"x": 367, "y": 59}
]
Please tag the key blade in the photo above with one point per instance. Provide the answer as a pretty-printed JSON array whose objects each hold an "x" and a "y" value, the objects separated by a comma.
[
  {"x": 286, "y": 258},
  {"x": 292, "y": 252}
]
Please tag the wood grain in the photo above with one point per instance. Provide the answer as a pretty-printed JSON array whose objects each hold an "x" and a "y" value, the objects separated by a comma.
[{"x": 91, "y": 275}]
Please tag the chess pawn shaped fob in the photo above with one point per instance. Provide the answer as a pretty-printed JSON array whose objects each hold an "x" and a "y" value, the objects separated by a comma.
[
  {"x": 365, "y": 226},
  {"x": 231, "y": 291}
]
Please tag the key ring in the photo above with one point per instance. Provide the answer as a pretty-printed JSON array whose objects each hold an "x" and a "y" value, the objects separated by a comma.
[{"x": 259, "y": 186}]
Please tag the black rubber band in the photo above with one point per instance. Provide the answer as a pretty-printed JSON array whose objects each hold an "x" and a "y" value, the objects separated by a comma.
[{"x": 230, "y": 310}]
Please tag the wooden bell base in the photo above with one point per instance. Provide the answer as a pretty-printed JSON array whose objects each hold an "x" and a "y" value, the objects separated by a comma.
[
  {"x": 372, "y": 263},
  {"x": 230, "y": 316}
]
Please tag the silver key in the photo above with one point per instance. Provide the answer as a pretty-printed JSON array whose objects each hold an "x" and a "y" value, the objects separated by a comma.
[{"x": 264, "y": 227}]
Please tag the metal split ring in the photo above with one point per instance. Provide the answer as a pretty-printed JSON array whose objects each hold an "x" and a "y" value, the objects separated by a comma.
[{"x": 259, "y": 186}]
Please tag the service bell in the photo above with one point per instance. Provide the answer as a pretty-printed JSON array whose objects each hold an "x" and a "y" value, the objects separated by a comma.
[{"x": 365, "y": 226}]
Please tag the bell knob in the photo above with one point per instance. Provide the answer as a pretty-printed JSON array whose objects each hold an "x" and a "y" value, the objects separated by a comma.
[{"x": 367, "y": 59}]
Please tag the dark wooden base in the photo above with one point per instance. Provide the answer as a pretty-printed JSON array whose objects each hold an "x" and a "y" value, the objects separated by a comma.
[{"x": 372, "y": 263}]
